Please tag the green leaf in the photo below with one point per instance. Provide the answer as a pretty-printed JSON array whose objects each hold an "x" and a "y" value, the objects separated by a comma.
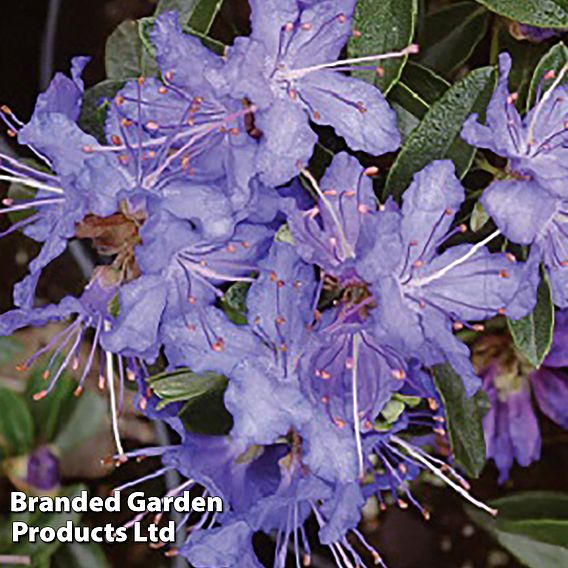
[
  {"x": 392, "y": 410},
  {"x": 204, "y": 15},
  {"x": 532, "y": 553},
  {"x": 554, "y": 60},
  {"x": 16, "y": 424},
  {"x": 86, "y": 554},
  {"x": 95, "y": 107},
  {"x": 451, "y": 34},
  {"x": 478, "y": 217},
  {"x": 533, "y": 333},
  {"x": 540, "y": 13},
  {"x": 85, "y": 417},
  {"x": 50, "y": 413},
  {"x": 429, "y": 85},
  {"x": 439, "y": 131},
  {"x": 234, "y": 302},
  {"x": 185, "y": 8},
  {"x": 185, "y": 385},
  {"x": 414, "y": 94},
  {"x": 204, "y": 411},
  {"x": 533, "y": 505},
  {"x": 463, "y": 418},
  {"x": 207, "y": 414},
  {"x": 533, "y": 526},
  {"x": 214, "y": 45},
  {"x": 125, "y": 54},
  {"x": 384, "y": 26},
  {"x": 9, "y": 349}
]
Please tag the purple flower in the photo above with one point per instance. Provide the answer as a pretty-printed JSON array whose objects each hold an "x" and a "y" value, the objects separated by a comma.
[
  {"x": 79, "y": 183},
  {"x": 344, "y": 365},
  {"x": 266, "y": 489},
  {"x": 427, "y": 292},
  {"x": 527, "y": 214},
  {"x": 550, "y": 382},
  {"x": 511, "y": 427},
  {"x": 181, "y": 277},
  {"x": 90, "y": 312},
  {"x": 531, "y": 206},
  {"x": 288, "y": 70},
  {"x": 328, "y": 233},
  {"x": 43, "y": 469},
  {"x": 387, "y": 264},
  {"x": 535, "y": 145},
  {"x": 532, "y": 33},
  {"x": 189, "y": 131}
]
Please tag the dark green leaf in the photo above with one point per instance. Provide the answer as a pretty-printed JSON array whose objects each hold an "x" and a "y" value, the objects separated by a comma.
[
  {"x": 406, "y": 121},
  {"x": 554, "y": 60},
  {"x": 540, "y": 13},
  {"x": 87, "y": 555},
  {"x": 533, "y": 526},
  {"x": 427, "y": 83},
  {"x": 463, "y": 418},
  {"x": 9, "y": 349},
  {"x": 451, "y": 34},
  {"x": 204, "y": 15},
  {"x": 533, "y": 334},
  {"x": 214, "y": 45},
  {"x": 532, "y": 553},
  {"x": 184, "y": 385},
  {"x": 205, "y": 412},
  {"x": 95, "y": 107},
  {"x": 16, "y": 425},
  {"x": 536, "y": 505},
  {"x": 478, "y": 217},
  {"x": 125, "y": 54},
  {"x": 85, "y": 417},
  {"x": 439, "y": 131},
  {"x": 414, "y": 94},
  {"x": 234, "y": 303},
  {"x": 50, "y": 413},
  {"x": 384, "y": 26}
]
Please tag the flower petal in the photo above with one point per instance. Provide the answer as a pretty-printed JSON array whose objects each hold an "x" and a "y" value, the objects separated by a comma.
[
  {"x": 520, "y": 209},
  {"x": 356, "y": 110},
  {"x": 429, "y": 207},
  {"x": 181, "y": 54},
  {"x": 551, "y": 392},
  {"x": 287, "y": 142}
]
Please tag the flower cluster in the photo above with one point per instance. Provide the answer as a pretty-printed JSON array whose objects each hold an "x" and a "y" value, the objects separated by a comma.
[
  {"x": 203, "y": 183},
  {"x": 511, "y": 426}
]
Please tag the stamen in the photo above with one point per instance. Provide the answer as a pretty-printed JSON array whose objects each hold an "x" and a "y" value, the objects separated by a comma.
[
  {"x": 543, "y": 100},
  {"x": 346, "y": 248},
  {"x": 113, "y": 404},
  {"x": 356, "y": 406},
  {"x": 437, "y": 472},
  {"x": 299, "y": 73},
  {"x": 455, "y": 263},
  {"x": 31, "y": 183}
]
